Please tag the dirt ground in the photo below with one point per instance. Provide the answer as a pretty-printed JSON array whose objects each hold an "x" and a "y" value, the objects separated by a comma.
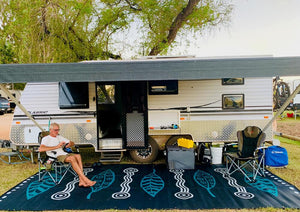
[
  {"x": 5, "y": 123},
  {"x": 289, "y": 127}
]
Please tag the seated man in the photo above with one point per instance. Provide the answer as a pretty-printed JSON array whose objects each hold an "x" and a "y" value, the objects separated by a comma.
[{"x": 54, "y": 143}]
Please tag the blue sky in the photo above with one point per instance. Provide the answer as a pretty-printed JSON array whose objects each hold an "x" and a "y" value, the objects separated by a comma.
[{"x": 258, "y": 27}]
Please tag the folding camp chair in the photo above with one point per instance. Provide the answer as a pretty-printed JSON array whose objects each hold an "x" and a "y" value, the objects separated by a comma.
[
  {"x": 50, "y": 166},
  {"x": 250, "y": 154}
]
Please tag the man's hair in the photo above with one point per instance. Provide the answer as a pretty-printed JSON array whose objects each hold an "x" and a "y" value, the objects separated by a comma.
[{"x": 52, "y": 125}]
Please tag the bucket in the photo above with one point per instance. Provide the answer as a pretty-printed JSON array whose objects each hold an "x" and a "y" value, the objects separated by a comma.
[{"x": 216, "y": 154}]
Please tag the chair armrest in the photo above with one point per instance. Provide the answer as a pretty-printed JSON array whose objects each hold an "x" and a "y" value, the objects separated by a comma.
[
  {"x": 227, "y": 147},
  {"x": 230, "y": 144},
  {"x": 262, "y": 147},
  {"x": 76, "y": 147},
  {"x": 43, "y": 160}
]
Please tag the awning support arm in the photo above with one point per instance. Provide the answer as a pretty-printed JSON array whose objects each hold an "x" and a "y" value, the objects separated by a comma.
[
  {"x": 4, "y": 89},
  {"x": 282, "y": 108}
]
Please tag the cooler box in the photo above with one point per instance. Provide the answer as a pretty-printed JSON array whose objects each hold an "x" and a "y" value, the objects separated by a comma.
[
  {"x": 276, "y": 156},
  {"x": 180, "y": 157}
]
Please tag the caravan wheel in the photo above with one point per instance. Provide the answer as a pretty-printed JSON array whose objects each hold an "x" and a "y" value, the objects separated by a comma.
[{"x": 147, "y": 155}]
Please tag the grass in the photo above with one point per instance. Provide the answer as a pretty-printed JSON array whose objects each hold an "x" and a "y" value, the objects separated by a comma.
[
  {"x": 292, "y": 173},
  {"x": 283, "y": 117}
]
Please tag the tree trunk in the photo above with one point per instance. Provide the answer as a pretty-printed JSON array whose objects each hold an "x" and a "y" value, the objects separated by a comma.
[{"x": 176, "y": 25}]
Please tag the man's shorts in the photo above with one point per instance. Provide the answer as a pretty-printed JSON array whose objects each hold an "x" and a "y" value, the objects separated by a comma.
[{"x": 62, "y": 158}]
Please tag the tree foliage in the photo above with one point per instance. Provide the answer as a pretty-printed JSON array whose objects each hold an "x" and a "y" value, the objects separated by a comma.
[
  {"x": 75, "y": 30},
  {"x": 7, "y": 54}
]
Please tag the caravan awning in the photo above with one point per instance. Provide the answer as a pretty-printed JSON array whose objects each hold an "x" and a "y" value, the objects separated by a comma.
[{"x": 157, "y": 69}]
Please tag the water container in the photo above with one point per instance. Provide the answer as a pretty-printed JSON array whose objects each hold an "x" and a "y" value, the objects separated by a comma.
[{"x": 216, "y": 155}]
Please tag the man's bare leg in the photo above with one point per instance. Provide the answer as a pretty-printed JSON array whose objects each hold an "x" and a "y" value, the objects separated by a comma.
[
  {"x": 79, "y": 161},
  {"x": 83, "y": 180}
]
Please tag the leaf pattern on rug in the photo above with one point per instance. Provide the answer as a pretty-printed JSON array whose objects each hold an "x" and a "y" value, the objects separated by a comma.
[
  {"x": 152, "y": 184},
  {"x": 205, "y": 180},
  {"x": 104, "y": 180},
  {"x": 36, "y": 187},
  {"x": 262, "y": 184}
]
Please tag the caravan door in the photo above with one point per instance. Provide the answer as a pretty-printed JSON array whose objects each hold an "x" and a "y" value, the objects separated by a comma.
[
  {"x": 109, "y": 116},
  {"x": 135, "y": 114},
  {"x": 122, "y": 115}
]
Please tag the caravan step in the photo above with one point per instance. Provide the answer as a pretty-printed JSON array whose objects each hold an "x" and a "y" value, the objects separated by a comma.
[
  {"x": 110, "y": 143},
  {"x": 111, "y": 150},
  {"x": 112, "y": 156}
]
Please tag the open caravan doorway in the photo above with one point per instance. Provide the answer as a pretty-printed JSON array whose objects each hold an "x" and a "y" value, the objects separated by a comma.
[{"x": 122, "y": 118}]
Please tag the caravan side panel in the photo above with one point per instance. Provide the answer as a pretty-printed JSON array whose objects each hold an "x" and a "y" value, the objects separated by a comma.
[
  {"x": 206, "y": 95},
  {"x": 200, "y": 104},
  {"x": 42, "y": 102}
]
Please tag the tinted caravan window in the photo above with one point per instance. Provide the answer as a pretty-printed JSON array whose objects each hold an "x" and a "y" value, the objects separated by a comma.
[
  {"x": 73, "y": 95},
  {"x": 163, "y": 87}
]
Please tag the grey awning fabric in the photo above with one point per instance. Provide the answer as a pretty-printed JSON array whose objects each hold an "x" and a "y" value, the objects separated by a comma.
[{"x": 159, "y": 69}]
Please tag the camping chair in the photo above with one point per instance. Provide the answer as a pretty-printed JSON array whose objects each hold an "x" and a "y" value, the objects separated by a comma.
[
  {"x": 250, "y": 153},
  {"x": 50, "y": 166}
]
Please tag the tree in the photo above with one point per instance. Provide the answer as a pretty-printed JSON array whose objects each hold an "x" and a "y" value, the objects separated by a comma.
[
  {"x": 6, "y": 54},
  {"x": 165, "y": 19},
  {"x": 76, "y": 30}
]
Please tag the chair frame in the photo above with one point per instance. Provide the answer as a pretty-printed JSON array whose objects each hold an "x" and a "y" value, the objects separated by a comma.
[
  {"x": 59, "y": 168},
  {"x": 257, "y": 162}
]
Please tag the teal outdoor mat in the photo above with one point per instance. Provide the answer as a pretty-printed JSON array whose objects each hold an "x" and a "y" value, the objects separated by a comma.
[{"x": 152, "y": 187}]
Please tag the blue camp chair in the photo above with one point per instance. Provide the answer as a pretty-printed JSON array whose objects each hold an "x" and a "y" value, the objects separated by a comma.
[{"x": 249, "y": 157}]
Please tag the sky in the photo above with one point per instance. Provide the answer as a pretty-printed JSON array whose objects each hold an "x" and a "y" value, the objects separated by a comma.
[{"x": 257, "y": 27}]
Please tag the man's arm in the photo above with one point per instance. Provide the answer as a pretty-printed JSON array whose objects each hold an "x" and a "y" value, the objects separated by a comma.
[
  {"x": 44, "y": 148},
  {"x": 70, "y": 144}
]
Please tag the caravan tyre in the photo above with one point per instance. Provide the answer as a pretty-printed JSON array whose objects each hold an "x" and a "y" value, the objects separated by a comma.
[{"x": 147, "y": 155}]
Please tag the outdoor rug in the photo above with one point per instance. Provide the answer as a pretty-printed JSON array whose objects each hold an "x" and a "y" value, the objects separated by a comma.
[{"x": 152, "y": 187}]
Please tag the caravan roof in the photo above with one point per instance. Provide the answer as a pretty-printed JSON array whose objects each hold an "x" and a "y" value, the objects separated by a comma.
[{"x": 157, "y": 69}]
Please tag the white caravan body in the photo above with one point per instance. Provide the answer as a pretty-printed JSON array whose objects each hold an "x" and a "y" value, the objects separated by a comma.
[
  {"x": 197, "y": 109},
  {"x": 41, "y": 100}
]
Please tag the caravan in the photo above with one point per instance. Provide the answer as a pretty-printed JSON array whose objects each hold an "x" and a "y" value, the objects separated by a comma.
[
  {"x": 143, "y": 106},
  {"x": 296, "y": 101},
  {"x": 119, "y": 116}
]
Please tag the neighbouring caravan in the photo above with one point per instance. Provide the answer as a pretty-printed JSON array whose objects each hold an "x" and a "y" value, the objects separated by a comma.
[
  {"x": 296, "y": 101},
  {"x": 293, "y": 83},
  {"x": 144, "y": 116}
]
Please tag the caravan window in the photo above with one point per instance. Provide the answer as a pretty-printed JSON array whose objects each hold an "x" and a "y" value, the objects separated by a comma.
[
  {"x": 233, "y": 101},
  {"x": 73, "y": 95},
  {"x": 232, "y": 81},
  {"x": 106, "y": 94},
  {"x": 163, "y": 87}
]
